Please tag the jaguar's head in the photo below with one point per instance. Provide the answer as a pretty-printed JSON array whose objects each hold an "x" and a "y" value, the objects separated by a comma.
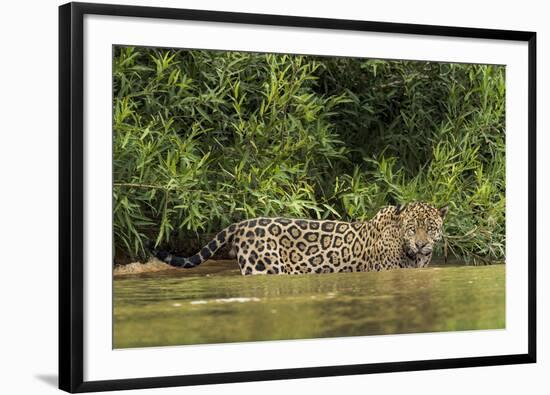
[{"x": 421, "y": 226}]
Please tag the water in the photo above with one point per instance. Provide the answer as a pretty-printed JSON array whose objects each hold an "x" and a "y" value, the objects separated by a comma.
[{"x": 215, "y": 304}]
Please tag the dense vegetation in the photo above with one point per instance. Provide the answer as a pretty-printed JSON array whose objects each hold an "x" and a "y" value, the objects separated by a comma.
[{"x": 203, "y": 139}]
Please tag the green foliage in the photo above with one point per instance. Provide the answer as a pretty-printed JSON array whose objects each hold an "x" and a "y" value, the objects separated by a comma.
[{"x": 203, "y": 139}]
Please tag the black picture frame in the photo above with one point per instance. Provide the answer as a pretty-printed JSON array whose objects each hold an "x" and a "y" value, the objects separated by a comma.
[{"x": 71, "y": 195}]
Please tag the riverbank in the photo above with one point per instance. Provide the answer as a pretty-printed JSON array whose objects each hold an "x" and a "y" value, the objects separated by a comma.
[{"x": 151, "y": 266}]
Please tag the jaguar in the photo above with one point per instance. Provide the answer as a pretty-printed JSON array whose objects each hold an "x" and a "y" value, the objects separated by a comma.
[{"x": 401, "y": 236}]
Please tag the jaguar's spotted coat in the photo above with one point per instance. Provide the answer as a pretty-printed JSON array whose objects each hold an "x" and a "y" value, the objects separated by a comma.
[{"x": 396, "y": 237}]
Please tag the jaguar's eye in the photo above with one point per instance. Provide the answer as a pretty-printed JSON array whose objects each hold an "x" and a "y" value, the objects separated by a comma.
[{"x": 410, "y": 232}]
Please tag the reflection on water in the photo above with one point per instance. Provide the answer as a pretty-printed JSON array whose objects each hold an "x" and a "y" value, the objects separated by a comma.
[{"x": 215, "y": 304}]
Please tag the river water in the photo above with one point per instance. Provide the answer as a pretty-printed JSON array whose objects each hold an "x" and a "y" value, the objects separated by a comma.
[{"x": 215, "y": 304}]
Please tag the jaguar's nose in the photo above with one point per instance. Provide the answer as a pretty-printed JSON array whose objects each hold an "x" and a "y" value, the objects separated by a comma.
[{"x": 420, "y": 244}]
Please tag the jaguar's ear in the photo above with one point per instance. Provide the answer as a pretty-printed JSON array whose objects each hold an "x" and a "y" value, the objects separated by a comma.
[
  {"x": 399, "y": 209},
  {"x": 443, "y": 211}
]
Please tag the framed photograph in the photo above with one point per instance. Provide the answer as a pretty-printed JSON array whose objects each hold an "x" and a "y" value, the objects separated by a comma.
[{"x": 250, "y": 197}]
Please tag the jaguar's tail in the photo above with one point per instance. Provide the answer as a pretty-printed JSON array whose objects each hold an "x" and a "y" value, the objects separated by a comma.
[{"x": 221, "y": 239}]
